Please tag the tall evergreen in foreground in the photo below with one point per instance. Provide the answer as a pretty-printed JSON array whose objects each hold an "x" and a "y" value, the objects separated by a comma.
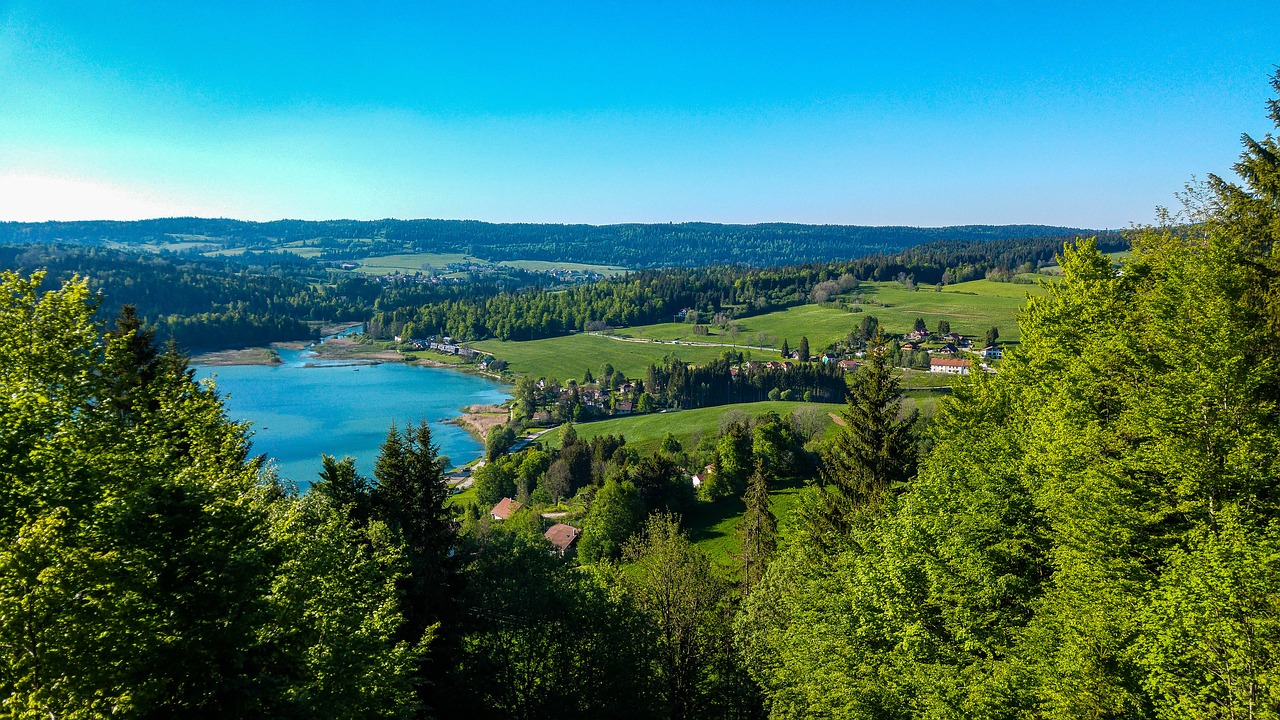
[
  {"x": 757, "y": 530},
  {"x": 875, "y": 450}
]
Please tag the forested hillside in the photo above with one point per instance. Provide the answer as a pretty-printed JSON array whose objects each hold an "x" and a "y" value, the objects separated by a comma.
[
  {"x": 631, "y": 245},
  {"x": 1093, "y": 532}
]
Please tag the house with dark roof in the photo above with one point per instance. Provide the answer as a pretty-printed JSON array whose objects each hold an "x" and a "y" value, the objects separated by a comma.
[
  {"x": 562, "y": 537},
  {"x": 505, "y": 508}
]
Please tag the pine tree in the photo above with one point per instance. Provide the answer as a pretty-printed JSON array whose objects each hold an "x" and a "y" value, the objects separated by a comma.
[
  {"x": 410, "y": 496},
  {"x": 786, "y": 349},
  {"x": 757, "y": 531},
  {"x": 804, "y": 349},
  {"x": 344, "y": 487},
  {"x": 875, "y": 451},
  {"x": 993, "y": 335}
]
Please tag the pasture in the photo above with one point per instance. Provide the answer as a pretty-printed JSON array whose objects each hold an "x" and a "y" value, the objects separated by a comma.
[{"x": 566, "y": 358}]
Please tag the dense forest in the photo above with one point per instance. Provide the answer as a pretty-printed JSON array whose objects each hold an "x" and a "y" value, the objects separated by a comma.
[
  {"x": 247, "y": 299},
  {"x": 239, "y": 301},
  {"x": 733, "y": 291},
  {"x": 1093, "y": 532},
  {"x": 629, "y": 245}
]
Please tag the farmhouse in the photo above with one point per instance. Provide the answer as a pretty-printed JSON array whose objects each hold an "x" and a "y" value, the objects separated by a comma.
[
  {"x": 562, "y": 537},
  {"x": 505, "y": 508},
  {"x": 949, "y": 366},
  {"x": 991, "y": 352}
]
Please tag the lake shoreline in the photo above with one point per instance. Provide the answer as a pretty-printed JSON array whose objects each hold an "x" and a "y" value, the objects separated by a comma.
[{"x": 264, "y": 356}]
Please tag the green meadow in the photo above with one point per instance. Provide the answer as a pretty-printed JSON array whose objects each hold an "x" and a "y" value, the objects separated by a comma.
[
  {"x": 970, "y": 307},
  {"x": 566, "y": 358},
  {"x": 646, "y": 432}
]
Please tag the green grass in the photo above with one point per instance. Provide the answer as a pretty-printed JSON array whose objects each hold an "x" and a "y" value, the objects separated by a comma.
[
  {"x": 566, "y": 358},
  {"x": 545, "y": 265},
  {"x": 970, "y": 307},
  {"x": 409, "y": 262},
  {"x": 713, "y": 526},
  {"x": 645, "y": 433}
]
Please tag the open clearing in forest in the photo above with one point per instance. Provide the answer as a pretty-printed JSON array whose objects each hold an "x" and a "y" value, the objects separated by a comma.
[
  {"x": 646, "y": 432},
  {"x": 566, "y": 358},
  {"x": 970, "y": 307}
]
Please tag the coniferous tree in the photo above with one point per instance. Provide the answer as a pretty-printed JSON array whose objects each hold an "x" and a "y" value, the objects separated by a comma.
[
  {"x": 410, "y": 496},
  {"x": 757, "y": 530},
  {"x": 993, "y": 335},
  {"x": 786, "y": 350},
  {"x": 875, "y": 451},
  {"x": 803, "y": 350},
  {"x": 346, "y": 489}
]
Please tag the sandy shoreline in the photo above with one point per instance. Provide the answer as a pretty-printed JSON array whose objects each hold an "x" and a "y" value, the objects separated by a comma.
[
  {"x": 247, "y": 356},
  {"x": 480, "y": 419}
]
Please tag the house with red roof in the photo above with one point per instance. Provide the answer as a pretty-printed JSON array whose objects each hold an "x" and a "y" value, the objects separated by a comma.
[
  {"x": 562, "y": 537},
  {"x": 949, "y": 366},
  {"x": 505, "y": 508}
]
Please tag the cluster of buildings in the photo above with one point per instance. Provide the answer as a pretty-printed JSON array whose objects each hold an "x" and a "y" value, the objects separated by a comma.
[
  {"x": 562, "y": 537},
  {"x": 443, "y": 345}
]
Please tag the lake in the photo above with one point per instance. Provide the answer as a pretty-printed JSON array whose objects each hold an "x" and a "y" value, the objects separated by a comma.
[{"x": 306, "y": 407}]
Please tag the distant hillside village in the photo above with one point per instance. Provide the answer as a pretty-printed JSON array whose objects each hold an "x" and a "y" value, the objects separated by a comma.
[{"x": 794, "y": 375}]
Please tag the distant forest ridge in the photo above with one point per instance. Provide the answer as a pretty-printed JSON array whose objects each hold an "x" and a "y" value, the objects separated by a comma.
[{"x": 633, "y": 245}]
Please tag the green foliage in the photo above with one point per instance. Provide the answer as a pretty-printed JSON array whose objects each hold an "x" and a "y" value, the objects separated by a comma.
[
  {"x": 496, "y": 480},
  {"x": 688, "y": 607},
  {"x": 875, "y": 450},
  {"x": 497, "y": 441},
  {"x": 616, "y": 514},
  {"x": 758, "y": 530},
  {"x": 1094, "y": 532},
  {"x": 144, "y": 567},
  {"x": 410, "y": 496},
  {"x": 544, "y": 640}
]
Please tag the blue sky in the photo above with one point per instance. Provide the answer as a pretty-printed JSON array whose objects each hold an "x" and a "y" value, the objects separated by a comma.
[{"x": 859, "y": 113}]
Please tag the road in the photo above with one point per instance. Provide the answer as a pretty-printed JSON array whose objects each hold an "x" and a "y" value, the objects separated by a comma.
[{"x": 648, "y": 341}]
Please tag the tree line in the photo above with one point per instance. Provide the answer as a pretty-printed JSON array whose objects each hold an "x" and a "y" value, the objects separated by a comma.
[{"x": 633, "y": 245}]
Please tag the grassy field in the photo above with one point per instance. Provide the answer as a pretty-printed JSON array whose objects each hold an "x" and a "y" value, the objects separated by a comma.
[
  {"x": 410, "y": 262},
  {"x": 566, "y": 358},
  {"x": 545, "y": 265},
  {"x": 970, "y": 307},
  {"x": 713, "y": 526},
  {"x": 645, "y": 432}
]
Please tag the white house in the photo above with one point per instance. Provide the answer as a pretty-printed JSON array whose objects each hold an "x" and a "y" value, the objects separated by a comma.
[{"x": 949, "y": 366}]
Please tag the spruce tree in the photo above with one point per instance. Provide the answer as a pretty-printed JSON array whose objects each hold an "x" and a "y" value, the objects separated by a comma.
[
  {"x": 410, "y": 496},
  {"x": 786, "y": 349},
  {"x": 757, "y": 531},
  {"x": 875, "y": 451},
  {"x": 804, "y": 349}
]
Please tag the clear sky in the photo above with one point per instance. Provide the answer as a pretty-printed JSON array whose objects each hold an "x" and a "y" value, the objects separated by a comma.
[{"x": 862, "y": 113}]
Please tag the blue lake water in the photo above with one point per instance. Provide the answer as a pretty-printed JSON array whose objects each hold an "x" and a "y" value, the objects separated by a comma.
[{"x": 306, "y": 407}]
